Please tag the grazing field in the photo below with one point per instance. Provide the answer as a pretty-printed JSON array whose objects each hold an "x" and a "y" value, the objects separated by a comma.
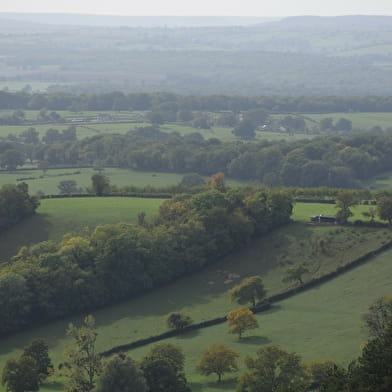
[
  {"x": 204, "y": 295},
  {"x": 47, "y": 182},
  {"x": 322, "y": 323},
  {"x": 364, "y": 121},
  {"x": 56, "y": 217},
  {"x": 303, "y": 211}
]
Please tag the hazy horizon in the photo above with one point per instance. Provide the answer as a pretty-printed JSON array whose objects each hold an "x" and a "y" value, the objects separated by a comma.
[{"x": 247, "y": 8}]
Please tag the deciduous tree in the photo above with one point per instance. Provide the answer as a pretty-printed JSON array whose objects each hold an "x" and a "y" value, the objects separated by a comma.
[
  {"x": 241, "y": 320},
  {"x": 249, "y": 290},
  {"x": 295, "y": 273},
  {"x": 384, "y": 208},
  {"x": 100, "y": 184},
  {"x": 378, "y": 316},
  {"x": 121, "y": 374},
  {"x": 274, "y": 370},
  {"x": 38, "y": 349},
  {"x": 218, "y": 359},
  {"x": 177, "y": 320},
  {"x": 21, "y": 375},
  {"x": 84, "y": 363}
]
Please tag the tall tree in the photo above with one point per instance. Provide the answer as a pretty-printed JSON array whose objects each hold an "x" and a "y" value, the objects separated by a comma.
[
  {"x": 384, "y": 208},
  {"x": 84, "y": 363},
  {"x": 38, "y": 349},
  {"x": 100, "y": 184}
]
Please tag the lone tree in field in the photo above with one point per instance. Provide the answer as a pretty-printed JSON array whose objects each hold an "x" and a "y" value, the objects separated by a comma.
[
  {"x": 345, "y": 200},
  {"x": 378, "y": 316},
  {"x": 241, "y": 320},
  {"x": 294, "y": 274},
  {"x": 84, "y": 363},
  {"x": 100, "y": 184},
  {"x": 177, "y": 320},
  {"x": 218, "y": 359},
  {"x": 249, "y": 290}
]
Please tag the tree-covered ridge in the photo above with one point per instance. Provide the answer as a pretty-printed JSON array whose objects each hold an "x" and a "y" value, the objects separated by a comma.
[{"x": 49, "y": 280}]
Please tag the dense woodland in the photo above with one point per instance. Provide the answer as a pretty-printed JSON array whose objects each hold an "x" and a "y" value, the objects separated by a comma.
[
  {"x": 334, "y": 161},
  {"x": 115, "y": 262}
]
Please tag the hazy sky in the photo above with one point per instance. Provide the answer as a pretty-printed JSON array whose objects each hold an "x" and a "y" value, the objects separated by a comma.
[{"x": 203, "y": 7}]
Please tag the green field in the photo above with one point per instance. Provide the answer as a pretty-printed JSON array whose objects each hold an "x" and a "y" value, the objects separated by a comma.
[
  {"x": 303, "y": 211},
  {"x": 56, "y": 217},
  {"x": 322, "y": 323},
  {"x": 317, "y": 324},
  {"x": 364, "y": 121},
  {"x": 48, "y": 181},
  {"x": 204, "y": 295},
  {"x": 123, "y": 122}
]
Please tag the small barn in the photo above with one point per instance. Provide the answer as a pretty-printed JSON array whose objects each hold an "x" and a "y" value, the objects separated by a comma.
[{"x": 323, "y": 218}]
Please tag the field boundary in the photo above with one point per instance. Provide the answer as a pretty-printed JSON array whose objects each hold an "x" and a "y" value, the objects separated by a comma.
[
  {"x": 262, "y": 307},
  {"x": 146, "y": 195}
]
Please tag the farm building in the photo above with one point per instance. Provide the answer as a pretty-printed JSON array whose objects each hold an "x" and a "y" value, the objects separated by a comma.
[{"x": 323, "y": 218}]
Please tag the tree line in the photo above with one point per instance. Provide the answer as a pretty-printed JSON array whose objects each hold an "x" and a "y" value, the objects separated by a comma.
[
  {"x": 333, "y": 161},
  {"x": 50, "y": 280},
  {"x": 117, "y": 100}
]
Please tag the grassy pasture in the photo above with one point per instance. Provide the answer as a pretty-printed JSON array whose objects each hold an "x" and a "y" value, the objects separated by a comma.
[
  {"x": 322, "y": 323},
  {"x": 52, "y": 177},
  {"x": 303, "y": 211},
  {"x": 56, "y": 217},
  {"x": 359, "y": 120},
  {"x": 204, "y": 295},
  {"x": 120, "y": 177}
]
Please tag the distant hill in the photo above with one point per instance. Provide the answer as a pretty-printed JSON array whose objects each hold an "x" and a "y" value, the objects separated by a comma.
[
  {"x": 336, "y": 22},
  {"x": 136, "y": 21}
]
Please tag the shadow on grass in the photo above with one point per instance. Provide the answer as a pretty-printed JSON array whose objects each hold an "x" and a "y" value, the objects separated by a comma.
[
  {"x": 27, "y": 232},
  {"x": 229, "y": 385},
  {"x": 259, "y": 340}
]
